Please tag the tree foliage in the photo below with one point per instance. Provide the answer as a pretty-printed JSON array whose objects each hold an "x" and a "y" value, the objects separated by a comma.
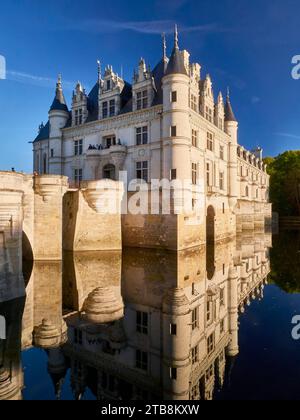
[
  {"x": 284, "y": 171},
  {"x": 285, "y": 261}
]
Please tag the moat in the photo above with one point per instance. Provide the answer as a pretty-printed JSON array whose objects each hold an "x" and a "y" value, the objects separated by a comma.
[{"x": 154, "y": 325}]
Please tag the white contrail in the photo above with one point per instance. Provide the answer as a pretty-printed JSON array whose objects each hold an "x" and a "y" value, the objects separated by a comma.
[{"x": 27, "y": 78}]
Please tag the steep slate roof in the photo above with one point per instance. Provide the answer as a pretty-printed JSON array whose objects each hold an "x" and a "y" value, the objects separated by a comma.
[
  {"x": 59, "y": 102},
  {"x": 229, "y": 115},
  {"x": 176, "y": 64},
  {"x": 44, "y": 133}
]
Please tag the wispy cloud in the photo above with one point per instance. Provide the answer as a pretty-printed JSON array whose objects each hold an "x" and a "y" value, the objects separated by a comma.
[
  {"x": 35, "y": 80},
  {"x": 288, "y": 135},
  {"x": 146, "y": 27}
]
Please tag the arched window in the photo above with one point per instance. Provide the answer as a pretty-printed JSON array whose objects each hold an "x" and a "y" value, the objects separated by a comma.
[{"x": 109, "y": 172}]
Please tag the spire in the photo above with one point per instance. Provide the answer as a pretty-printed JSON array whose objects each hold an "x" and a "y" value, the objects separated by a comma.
[
  {"x": 164, "y": 44},
  {"x": 176, "y": 63},
  {"x": 99, "y": 70},
  {"x": 229, "y": 115},
  {"x": 176, "y": 38},
  {"x": 59, "y": 102}
]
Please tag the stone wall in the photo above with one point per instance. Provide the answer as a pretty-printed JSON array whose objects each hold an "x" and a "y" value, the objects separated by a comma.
[{"x": 87, "y": 224}]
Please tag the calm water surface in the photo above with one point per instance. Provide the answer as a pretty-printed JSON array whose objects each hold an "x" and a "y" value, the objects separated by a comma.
[{"x": 132, "y": 355}]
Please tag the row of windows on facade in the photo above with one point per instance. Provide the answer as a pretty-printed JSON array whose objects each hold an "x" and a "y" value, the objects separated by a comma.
[
  {"x": 255, "y": 177},
  {"x": 141, "y": 134},
  {"x": 142, "y": 102},
  {"x": 142, "y": 173},
  {"x": 108, "y": 108},
  {"x": 142, "y": 327}
]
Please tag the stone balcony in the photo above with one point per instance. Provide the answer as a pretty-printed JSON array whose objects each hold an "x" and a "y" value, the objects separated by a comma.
[
  {"x": 106, "y": 152},
  {"x": 212, "y": 190}
]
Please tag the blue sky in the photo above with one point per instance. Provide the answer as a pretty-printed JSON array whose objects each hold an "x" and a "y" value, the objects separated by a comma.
[{"x": 246, "y": 45}]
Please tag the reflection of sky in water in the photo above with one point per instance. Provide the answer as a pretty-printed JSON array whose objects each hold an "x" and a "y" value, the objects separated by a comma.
[
  {"x": 38, "y": 382},
  {"x": 268, "y": 363}
]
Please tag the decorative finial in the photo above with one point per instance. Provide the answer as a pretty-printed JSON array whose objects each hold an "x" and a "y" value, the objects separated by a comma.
[
  {"x": 228, "y": 93},
  {"x": 164, "y": 46},
  {"x": 99, "y": 70},
  {"x": 58, "y": 84},
  {"x": 176, "y": 37}
]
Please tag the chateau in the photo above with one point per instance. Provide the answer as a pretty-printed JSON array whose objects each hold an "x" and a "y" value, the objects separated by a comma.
[{"x": 166, "y": 125}]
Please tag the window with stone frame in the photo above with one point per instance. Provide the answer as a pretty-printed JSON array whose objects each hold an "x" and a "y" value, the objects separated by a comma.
[
  {"x": 194, "y": 173},
  {"x": 221, "y": 181},
  {"x": 104, "y": 109},
  {"x": 211, "y": 343},
  {"x": 142, "y": 135},
  {"x": 173, "y": 131},
  {"x": 141, "y": 360},
  {"x": 209, "y": 312},
  {"x": 222, "y": 326},
  {"x": 142, "y": 322},
  {"x": 194, "y": 138},
  {"x": 222, "y": 155},
  {"x": 222, "y": 295},
  {"x": 194, "y": 103},
  {"x": 142, "y": 170},
  {"x": 208, "y": 114},
  {"x": 142, "y": 100},
  {"x": 77, "y": 175},
  {"x": 195, "y": 355},
  {"x": 208, "y": 174},
  {"x": 78, "y": 147},
  {"x": 174, "y": 96},
  {"x": 78, "y": 116},
  {"x": 109, "y": 141},
  {"x": 210, "y": 141},
  {"x": 112, "y": 108},
  {"x": 195, "y": 319},
  {"x": 209, "y": 373}
]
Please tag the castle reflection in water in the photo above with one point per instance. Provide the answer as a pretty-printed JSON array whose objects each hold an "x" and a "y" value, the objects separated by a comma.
[{"x": 141, "y": 324}]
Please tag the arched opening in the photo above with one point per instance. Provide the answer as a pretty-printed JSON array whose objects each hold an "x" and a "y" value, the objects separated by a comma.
[
  {"x": 109, "y": 172},
  {"x": 210, "y": 242},
  {"x": 27, "y": 262}
]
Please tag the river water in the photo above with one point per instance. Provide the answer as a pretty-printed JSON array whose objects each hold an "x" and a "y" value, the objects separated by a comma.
[{"x": 153, "y": 325}]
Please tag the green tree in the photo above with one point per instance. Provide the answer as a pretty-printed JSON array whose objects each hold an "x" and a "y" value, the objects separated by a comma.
[
  {"x": 285, "y": 261},
  {"x": 284, "y": 171}
]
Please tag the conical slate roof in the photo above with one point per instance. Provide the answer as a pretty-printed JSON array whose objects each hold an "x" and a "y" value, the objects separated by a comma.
[
  {"x": 176, "y": 64},
  {"x": 229, "y": 115},
  {"x": 59, "y": 102}
]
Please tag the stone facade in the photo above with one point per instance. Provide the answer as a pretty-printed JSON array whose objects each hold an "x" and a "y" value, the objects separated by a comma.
[{"x": 167, "y": 124}]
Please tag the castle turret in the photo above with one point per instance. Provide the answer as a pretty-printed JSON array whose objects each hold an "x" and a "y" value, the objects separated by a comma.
[
  {"x": 176, "y": 124},
  {"x": 233, "y": 347},
  {"x": 58, "y": 118},
  {"x": 231, "y": 128},
  {"x": 176, "y": 345}
]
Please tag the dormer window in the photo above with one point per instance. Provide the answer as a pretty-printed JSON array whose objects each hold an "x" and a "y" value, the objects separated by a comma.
[
  {"x": 208, "y": 114},
  {"x": 112, "y": 108},
  {"x": 142, "y": 100},
  {"x": 104, "y": 110},
  {"x": 78, "y": 116},
  {"x": 108, "y": 85},
  {"x": 194, "y": 103}
]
